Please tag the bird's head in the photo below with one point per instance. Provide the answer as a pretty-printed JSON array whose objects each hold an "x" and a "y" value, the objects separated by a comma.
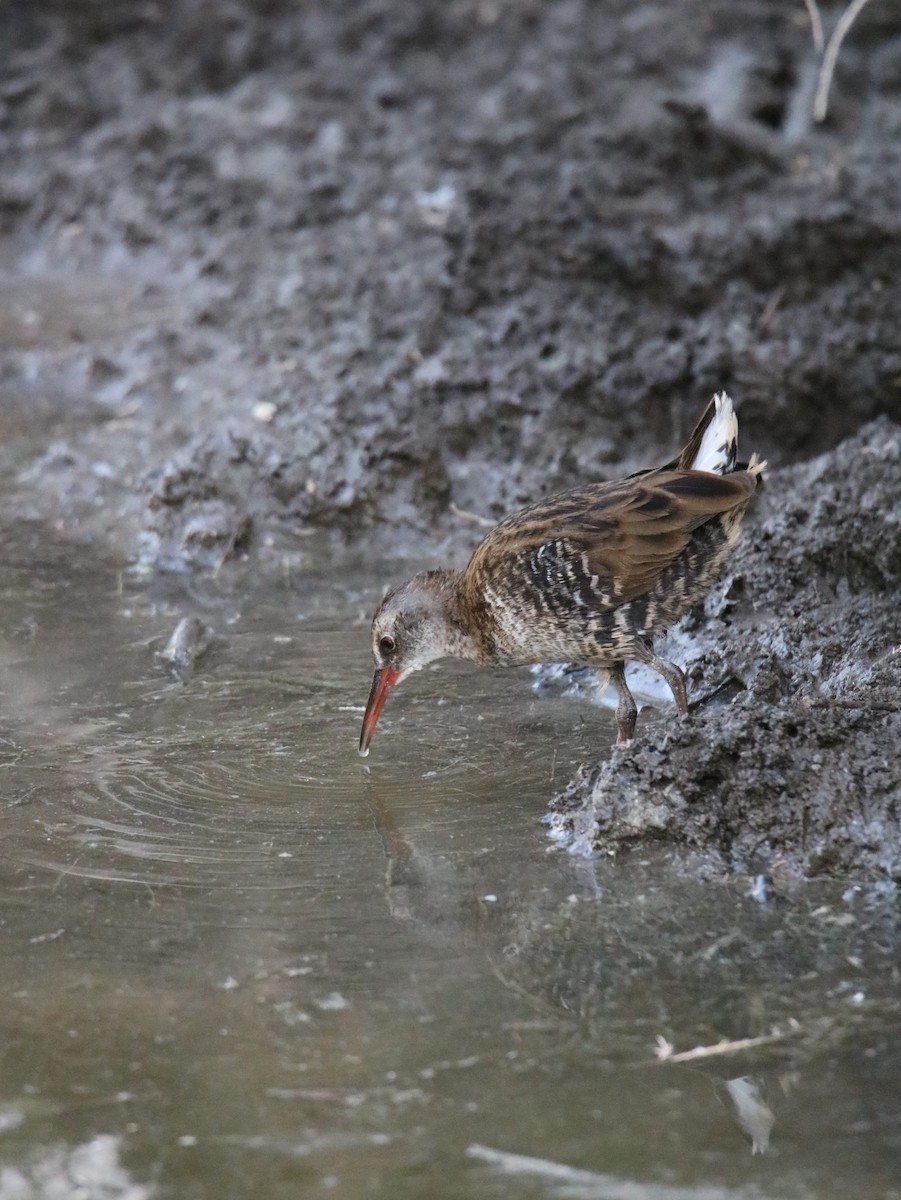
[{"x": 415, "y": 624}]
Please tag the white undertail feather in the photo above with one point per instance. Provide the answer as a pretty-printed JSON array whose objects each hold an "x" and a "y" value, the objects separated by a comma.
[{"x": 719, "y": 445}]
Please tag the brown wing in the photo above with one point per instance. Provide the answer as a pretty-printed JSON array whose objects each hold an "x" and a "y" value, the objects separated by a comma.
[{"x": 614, "y": 538}]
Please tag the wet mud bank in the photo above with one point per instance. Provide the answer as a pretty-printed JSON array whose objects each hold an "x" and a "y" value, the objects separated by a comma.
[
  {"x": 368, "y": 270},
  {"x": 791, "y": 753}
]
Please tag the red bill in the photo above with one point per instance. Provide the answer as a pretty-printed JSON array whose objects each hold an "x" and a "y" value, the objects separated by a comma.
[{"x": 383, "y": 681}]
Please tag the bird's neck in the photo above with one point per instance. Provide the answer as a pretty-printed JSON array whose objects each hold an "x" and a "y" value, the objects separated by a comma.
[{"x": 461, "y": 631}]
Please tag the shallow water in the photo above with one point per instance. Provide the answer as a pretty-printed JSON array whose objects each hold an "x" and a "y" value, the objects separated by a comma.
[{"x": 242, "y": 962}]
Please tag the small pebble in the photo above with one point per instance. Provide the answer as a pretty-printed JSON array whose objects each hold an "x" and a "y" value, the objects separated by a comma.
[{"x": 264, "y": 411}]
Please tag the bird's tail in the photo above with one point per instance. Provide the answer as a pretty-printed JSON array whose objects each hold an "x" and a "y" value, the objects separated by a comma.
[{"x": 714, "y": 444}]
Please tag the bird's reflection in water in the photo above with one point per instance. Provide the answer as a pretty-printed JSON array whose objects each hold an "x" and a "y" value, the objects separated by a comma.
[{"x": 421, "y": 889}]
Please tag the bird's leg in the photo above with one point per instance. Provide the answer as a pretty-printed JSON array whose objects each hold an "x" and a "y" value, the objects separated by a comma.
[
  {"x": 673, "y": 675},
  {"x": 626, "y": 709}
]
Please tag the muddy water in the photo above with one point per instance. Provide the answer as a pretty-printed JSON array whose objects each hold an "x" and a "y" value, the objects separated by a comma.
[{"x": 241, "y": 962}]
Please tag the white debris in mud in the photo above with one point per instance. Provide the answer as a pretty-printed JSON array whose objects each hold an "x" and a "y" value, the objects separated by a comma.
[
  {"x": 333, "y": 1002},
  {"x": 435, "y": 206},
  {"x": 89, "y": 1172},
  {"x": 264, "y": 411},
  {"x": 11, "y": 1117}
]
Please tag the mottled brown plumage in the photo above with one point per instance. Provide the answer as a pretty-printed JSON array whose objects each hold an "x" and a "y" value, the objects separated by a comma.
[{"x": 588, "y": 576}]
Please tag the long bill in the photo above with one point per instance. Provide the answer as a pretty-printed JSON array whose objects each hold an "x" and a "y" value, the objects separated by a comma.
[{"x": 383, "y": 681}]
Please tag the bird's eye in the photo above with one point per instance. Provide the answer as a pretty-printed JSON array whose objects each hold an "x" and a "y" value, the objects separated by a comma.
[{"x": 386, "y": 645}]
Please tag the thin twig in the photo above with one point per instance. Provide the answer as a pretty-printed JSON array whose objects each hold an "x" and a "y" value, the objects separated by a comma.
[
  {"x": 770, "y": 307},
  {"x": 466, "y": 515},
  {"x": 546, "y": 1168},
  {"x": 816, "y": 25},
  {"x": 664, "y": 1050},
  {"x": 827, "y": 68}
]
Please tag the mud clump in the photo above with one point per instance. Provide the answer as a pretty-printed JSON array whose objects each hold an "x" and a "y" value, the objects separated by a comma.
[{"x": 804, "y": 633}]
